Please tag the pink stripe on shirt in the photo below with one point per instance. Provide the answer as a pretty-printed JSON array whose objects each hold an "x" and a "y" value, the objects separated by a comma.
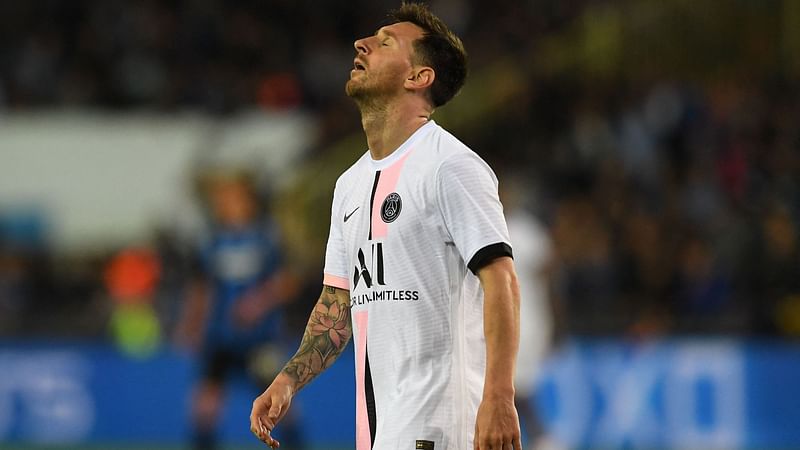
[{"x": 386, "y": 185}]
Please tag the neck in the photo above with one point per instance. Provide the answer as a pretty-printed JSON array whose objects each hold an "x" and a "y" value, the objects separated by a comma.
[{"x": 387, "y": 125}]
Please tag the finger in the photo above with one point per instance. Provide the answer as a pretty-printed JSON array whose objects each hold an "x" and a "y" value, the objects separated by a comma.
[
  {"x": 267, "y": 433},
  {"x": 496, "y": 443},
  {"x": 263, "y": 430},
  {"x": 517, "y": 442},
  {"x": 272, "y": 442},
  {"x": 258, "y": 428},
  {"x": 510, "y": 442},
  {"x": 264, "y": 426},
  {"x": 476, "y": 440},
  {"x": 255, "y": 427},
  {"x": 255, "y": 416}
]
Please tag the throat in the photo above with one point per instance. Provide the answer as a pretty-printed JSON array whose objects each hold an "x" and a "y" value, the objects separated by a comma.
[{"x": 386, "y": 133}]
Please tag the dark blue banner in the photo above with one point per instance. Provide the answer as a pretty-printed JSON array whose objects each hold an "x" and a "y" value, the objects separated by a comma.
[
  {"x": 710, "y": 394},
  {"x": 698, "y": 394}
]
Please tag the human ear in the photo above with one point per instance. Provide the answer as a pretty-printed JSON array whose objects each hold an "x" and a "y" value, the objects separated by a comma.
[{"x": 420, "y": 78}]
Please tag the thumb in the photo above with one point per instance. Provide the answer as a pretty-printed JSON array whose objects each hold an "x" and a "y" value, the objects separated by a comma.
[{"x": 274, "y": 412}]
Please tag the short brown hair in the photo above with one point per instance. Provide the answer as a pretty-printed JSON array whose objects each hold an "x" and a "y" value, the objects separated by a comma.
[{"x": 439, "y": 48}]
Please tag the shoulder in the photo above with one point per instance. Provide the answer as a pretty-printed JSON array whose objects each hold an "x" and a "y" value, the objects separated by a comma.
[
  {"x": 353, "y": 173},
  {"x": 464, "y": 164},
  {"x": 444, "y": 145},
  {"x": 446, "y": 153}
]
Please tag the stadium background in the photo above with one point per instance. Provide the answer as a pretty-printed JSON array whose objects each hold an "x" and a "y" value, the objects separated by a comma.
[{"x": 657, "y": 141}]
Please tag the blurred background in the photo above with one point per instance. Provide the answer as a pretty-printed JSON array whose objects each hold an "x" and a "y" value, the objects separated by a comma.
[{"x": 166, "y": 163}]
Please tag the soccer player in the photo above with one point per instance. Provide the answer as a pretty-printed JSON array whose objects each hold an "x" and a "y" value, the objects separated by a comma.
[
  {"x": 235, "y": 306},
  {"x": 418, "y": 266},
  {"x": 533, "y": 261}
]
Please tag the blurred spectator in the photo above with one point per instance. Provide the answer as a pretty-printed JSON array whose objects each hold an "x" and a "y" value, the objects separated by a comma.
[
  {"x": 645, "y": 264},
  {"x": 702, "y": 290},
  {"x": 775, "y": 274},
  {"x": 585, "y": 277}
]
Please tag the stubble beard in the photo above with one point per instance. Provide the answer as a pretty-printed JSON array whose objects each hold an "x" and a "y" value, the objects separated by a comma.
[
  {"x": 370, "y": 96},
  {"x": 362, "y": 89},
  {"x": 354, "y": 89},
  {"x": 365, "y": 96}
]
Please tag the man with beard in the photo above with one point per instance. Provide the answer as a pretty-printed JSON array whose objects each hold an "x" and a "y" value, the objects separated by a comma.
[{"x": 418, "y": 267}]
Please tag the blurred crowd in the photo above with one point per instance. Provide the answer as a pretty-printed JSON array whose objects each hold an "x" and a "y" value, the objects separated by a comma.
[
  {"x": 671, "y": 209},
  {"x": 669, "y": 184}
]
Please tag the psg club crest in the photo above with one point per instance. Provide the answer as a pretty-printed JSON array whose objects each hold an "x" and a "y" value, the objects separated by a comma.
[{"x": 391, "y": 207}]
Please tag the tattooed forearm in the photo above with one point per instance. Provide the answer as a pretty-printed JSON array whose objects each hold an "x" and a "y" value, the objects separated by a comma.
[{"x": 326, "y": 336}]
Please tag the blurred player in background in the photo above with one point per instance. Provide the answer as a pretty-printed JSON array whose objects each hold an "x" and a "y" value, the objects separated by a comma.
[
  {"x": 233, "y": 311},
  {"x": 418, "y": 267},
  {"x": 533, "y": 259}
]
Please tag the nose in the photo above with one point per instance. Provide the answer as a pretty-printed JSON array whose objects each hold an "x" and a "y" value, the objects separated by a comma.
[{"x": 361, "y": 46}]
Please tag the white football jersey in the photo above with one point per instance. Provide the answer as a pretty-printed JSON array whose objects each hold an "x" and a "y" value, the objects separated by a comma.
[{"x": 407, "y": 235}]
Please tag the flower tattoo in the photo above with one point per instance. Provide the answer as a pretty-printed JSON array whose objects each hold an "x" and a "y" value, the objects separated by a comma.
[
  {"x": 327, "y": 333},
  {"x": 331, "y": 320}
]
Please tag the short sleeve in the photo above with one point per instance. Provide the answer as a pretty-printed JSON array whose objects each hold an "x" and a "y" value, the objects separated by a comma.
[
  {"x": 335, "y": 272},
  {"x": 471, "y": 209}
]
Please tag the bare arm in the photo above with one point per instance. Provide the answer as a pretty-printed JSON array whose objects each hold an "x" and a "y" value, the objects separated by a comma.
[
  {"x": 500, "y": 324},
  {"x": 327, "y": 334},
  {"x": 328, "y": 331},
  {"x": 497, "y": 424}
]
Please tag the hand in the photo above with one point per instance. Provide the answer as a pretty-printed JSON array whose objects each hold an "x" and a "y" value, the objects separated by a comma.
[
  {"x": 497, "y": 425},
  {"x": 269, "y": 408}
]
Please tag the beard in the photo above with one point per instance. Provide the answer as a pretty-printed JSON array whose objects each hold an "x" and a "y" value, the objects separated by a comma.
[
  {"x": 356, "y": 89},
  {"x": 371, "y": 88},
  {"x": 364, "y": 88}
]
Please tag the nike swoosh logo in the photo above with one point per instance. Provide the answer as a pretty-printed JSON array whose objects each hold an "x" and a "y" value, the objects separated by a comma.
[{"x": 347, "y": 216}]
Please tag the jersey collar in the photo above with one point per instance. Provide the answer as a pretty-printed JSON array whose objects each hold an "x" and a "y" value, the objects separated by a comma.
[{"x": 381, "y": 164}]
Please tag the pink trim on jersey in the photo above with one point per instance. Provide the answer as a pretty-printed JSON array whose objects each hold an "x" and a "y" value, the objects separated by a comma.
[
  {"x": 363, "y": 438},
  {"x": 337, "y": 282},
  {"x": 386, "y": 185}
]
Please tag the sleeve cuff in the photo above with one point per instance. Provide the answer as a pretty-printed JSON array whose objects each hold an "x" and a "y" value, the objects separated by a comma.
[
  {"x": 488, "y": 254},
  {"x": 337, "y": 282}
]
